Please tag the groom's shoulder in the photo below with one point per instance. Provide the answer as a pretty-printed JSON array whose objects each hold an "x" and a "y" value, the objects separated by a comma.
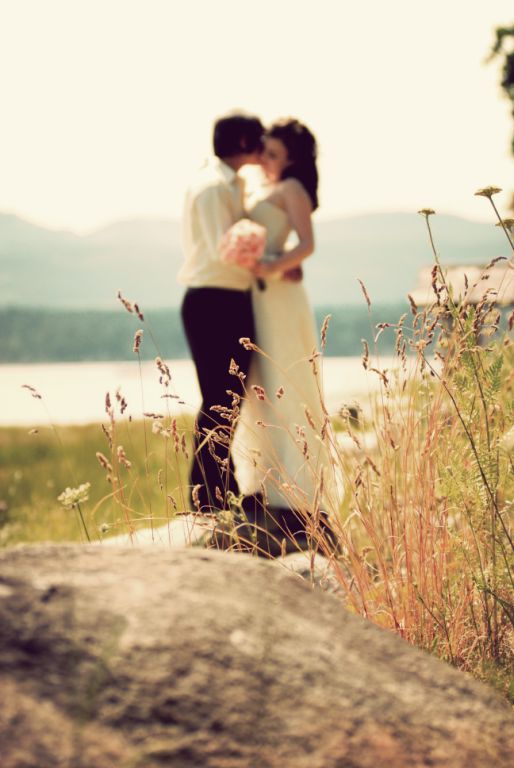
[{"x": 208, "y": 178}]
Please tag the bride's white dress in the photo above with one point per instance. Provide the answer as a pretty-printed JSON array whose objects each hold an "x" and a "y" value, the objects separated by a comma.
[{"x": 278, "y": 440}]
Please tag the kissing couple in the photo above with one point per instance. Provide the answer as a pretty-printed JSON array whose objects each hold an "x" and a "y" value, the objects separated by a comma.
[{"x": 261, "y": 435}]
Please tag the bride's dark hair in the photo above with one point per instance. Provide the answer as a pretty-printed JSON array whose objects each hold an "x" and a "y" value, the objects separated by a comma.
[{"x": 301, "y": 151}]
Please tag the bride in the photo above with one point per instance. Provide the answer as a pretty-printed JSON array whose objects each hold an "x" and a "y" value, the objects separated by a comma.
[{"x": 281, "y": 445}]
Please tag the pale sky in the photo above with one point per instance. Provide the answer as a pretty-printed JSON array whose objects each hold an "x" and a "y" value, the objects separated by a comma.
[{"x": 107, "y": 105}]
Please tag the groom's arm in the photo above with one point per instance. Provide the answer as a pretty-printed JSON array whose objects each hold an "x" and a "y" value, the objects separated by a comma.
[
  {"x": 213, "y": 209},
  {"x": 294, "y": 275}
]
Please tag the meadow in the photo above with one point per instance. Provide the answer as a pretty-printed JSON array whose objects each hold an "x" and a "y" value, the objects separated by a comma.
[
  {"x": 36, "y": 466},
  {"x": 424, "y": 524}
]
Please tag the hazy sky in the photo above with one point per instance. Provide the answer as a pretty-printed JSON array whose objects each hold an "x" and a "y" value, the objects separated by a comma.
[{"x": 107, "y": 105}]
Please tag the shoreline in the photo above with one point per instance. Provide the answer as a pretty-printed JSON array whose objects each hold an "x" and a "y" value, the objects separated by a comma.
[{"x": 74, "y": 393}]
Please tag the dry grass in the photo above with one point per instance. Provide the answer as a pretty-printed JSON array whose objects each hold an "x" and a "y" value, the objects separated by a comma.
[
  {"x": 425, "y": 528},
  {"x": 424, "y": 522}
]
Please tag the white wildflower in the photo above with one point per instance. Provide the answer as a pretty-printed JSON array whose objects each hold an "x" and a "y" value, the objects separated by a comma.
[
  {"x": 72, "y": 497},
  {"x": 488, "y": 192}
]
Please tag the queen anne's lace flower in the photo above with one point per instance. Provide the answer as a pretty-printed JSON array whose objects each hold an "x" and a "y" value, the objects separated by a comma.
[
  {"x": 72, "y": 497},
  {"x": 487, "y": 191},
  {"x": 508, "y": 223}
]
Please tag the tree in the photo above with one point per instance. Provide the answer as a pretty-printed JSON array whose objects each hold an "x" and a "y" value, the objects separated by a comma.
[{"x": 504, "y": 46}]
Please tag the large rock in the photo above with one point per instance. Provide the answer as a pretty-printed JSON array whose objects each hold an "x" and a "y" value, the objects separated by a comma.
[{"x": 139, "y": 659}]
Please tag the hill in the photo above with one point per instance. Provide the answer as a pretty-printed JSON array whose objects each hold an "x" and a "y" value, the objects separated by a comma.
[{"x": 59, "y": 269}]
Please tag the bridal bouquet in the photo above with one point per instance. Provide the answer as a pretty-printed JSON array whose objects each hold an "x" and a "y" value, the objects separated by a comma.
[{"x": 243, "y": 244}]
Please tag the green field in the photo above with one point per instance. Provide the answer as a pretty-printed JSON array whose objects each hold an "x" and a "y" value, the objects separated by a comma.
[{"x": 36, "y": 467}]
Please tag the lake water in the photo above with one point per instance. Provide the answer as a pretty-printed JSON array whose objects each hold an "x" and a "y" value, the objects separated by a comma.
[{"x": 74, "y": 393}]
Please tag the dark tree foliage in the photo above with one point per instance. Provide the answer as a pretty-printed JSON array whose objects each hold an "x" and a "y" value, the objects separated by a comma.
[{"x": 504, "y": 46}]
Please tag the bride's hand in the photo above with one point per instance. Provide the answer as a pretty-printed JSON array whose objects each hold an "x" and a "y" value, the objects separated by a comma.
[{"x": 266, "y": 269}]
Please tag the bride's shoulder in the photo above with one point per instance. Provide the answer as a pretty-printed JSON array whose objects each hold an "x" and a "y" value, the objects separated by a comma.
[
  {"x": 294, "y": 195},
  {"x": 292, "y": 187}
]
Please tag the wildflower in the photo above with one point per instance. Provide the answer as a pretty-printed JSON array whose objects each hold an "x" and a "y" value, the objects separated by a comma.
[
  {"x": 364, "y": 291},
  {"x": 103, "y": 461},
  {"x": 121, "y": 400},
  {"x": 138, "y": 336},
  {"x": 507, "y": 441},
  {"x": 508, "y": 223},
  {"x": 195, "y": 495},
  {"x": 32, "y": 391},
  {"x": 157, "y": 428},
  {"x": 426, "y": 212},
  {"x": 382, "y": 375},
  {"x": 413, "y": 305},
  {"x": 165, "y": 377},
  {"x": 487, "y": 192},
  {"x": 108, "y": 434},
  {"x": 247, "y": 343},
  {"x": 122, "y": 457},
  {"x": 365, "y": 357},
  {"x": 380, "y": 329},
  {"x": 324, "y": 329},
  {"x": 309, "y": 418},
  {"x": 104, "y": 528},
  {"x": 371, "y": 463},
  {"x": 72, "y": 497},
  {"x": 259, "y": 392},
  {"x": 236, "y": 398},
  {"x": 233, "y": 368},
  {"x": 128, "y": 306}
]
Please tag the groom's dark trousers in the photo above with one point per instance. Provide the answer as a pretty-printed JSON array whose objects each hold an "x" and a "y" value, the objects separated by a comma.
[{"x": 214, "y": 320}]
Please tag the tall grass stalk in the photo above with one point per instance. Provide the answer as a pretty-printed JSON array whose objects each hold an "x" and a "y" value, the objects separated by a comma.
[{"x": 425, "y": 528}]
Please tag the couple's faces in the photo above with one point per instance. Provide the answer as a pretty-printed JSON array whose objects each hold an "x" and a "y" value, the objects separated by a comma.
[{"x": 274, "y": 158}]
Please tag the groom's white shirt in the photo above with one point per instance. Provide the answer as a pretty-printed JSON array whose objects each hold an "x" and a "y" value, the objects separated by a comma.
[{"x": 214, "y": 202}]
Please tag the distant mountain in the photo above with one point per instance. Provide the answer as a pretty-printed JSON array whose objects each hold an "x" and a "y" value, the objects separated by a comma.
[{"x": 59, "y": 269}]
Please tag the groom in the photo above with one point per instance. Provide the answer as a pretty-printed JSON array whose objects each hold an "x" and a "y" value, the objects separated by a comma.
[{"x": 217, "y": 310}]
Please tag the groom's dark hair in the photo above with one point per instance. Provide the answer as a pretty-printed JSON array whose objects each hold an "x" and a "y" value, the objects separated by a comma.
[{"x": 236, "y": 134}]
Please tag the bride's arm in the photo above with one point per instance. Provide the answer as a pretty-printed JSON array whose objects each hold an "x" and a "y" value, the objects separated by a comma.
[{"x": 299, "y": 209}]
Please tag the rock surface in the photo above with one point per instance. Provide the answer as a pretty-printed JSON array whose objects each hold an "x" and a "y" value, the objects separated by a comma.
[{"x": 190, "y": 658}]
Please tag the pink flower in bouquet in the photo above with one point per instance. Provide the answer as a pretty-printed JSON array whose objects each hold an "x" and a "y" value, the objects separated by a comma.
[{"x": 243, "y": 244}]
